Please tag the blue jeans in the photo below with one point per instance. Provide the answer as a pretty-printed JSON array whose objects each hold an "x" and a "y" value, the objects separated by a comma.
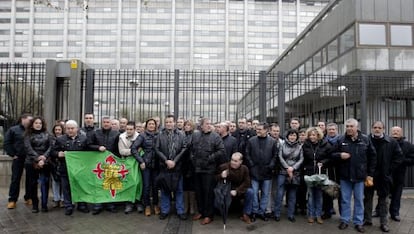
[
  {"x": 264, "y": 186},
  {"x": 179, "y": 199},
  {"x": 248, "y": 201},
  {"x": 315, "y": 199},
  {"x": 56, "y": 188},
  {"x": 44, "y": 188},
  {"x": 291, "y": 190},
  {"x": 347, "y": 187}
]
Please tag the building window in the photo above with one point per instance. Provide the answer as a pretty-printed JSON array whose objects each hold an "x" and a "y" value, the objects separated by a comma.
[
  {"x": 372, "y": 34},
  {"x": 401, "y": 35},
  {"x": 332, "y": 50},
  {"x": 347, "y": 40}
]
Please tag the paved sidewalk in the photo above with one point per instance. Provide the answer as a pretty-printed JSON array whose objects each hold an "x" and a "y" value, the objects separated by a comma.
[{"x": 21, "y": 220}]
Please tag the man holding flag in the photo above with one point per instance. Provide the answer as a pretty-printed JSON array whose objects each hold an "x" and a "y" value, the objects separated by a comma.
[{"x": 70, "y": 141}]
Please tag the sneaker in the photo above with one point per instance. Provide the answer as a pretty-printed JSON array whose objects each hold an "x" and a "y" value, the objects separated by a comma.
[
  {"x": 140, "y": 208},
  {"x": 128, "y": 208},
  {"x": 11, "y": 205}
]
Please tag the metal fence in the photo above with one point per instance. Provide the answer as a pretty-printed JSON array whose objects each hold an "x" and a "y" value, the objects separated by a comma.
[{"x": 21, "y": 90}]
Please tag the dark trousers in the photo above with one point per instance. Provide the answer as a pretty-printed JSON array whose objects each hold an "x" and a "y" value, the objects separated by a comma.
[
  {"x": 67, "y": 197},
  {"x": 204, "y": 188},
  {"x": 33, "y": 177},
  {"x": 149, "y": 187},
  {"x": 17, "y": 171},
  {"x": 368, "y": 204},
  {"x": 396, "y": 192}
]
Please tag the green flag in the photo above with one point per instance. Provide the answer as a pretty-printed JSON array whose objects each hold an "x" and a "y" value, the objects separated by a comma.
[{"x": 98, "y": 177}]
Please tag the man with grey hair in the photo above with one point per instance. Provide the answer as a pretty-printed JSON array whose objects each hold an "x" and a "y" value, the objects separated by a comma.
[
  {"x": 389, "y": 157},
  {"x": 356, "y": 162},
  {"x": 72, "y": 140},
  {"x": 122, "y": 124}
]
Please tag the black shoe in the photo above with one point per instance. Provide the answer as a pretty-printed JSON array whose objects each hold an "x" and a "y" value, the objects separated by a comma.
[
  {"x": 264, "y": 217},
  {"x": 277, "y": 218},
  {"x": 182, "y": 216},
  {"x": 292, "y": 219},
  {"x": 96, "y": 211},
  {"x": 111, "y": 209},
  {"x": 163, "y": 216},
  {"x": 35, "y": 210},
  {"x": 360, "y": 228},
  {"x": 385, "y": 228},
  {"x": 396, "y": 218},
  {"x": 343, "y": 226},
  {"x": 83, "y": 209},
  {"x": 44, "y": 210},
  {"x": 140, "y": 208},
  {"x": 253, "y": 217},
  {"x": 367, "y": 223},
  {"x": 68, "y": 211},
  {"x": 326, "y": 216},
  {"x": 128, "y": 209},
  {"x": 269, "y": 215},
  {"x": 375, "y": 214}
]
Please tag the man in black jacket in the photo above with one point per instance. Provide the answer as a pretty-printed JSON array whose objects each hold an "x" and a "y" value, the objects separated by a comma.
[
  {"x": 242, "y": 135},
  {"x": 389, "y": 157},
  {"x": 170, "y": 147},
  {"x": 104, "y": 139},
  {"x": 206, "y": 149},
  {"x": 399, "y": 173},
  {"x": 229, "y": 141},
  {"x": 13, "y": 145},
  {"x": 261, "y": 154},
  {"x": 356, "y": 163},
  {"x": 72, "y": 140}
]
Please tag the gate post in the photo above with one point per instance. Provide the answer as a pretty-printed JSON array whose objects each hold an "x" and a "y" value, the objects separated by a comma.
[
  {"x": 363, "y": 104},
  {"x": 176, "y": 92},
  {"x": 262, "y": 96},
  {"x": 49, "y": 93},
  {"x": 281, "y": 101},
  {"x": 89, "y": 91}
]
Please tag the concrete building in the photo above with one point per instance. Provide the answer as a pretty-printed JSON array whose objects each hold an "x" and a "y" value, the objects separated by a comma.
[{"x": 153, "y": 34}]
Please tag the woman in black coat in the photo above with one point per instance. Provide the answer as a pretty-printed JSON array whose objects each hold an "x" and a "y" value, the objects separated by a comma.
[{"x": 316, "y": 153}]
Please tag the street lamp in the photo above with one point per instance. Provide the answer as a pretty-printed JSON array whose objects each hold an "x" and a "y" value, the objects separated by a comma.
[{"x": 343, "y": 89}]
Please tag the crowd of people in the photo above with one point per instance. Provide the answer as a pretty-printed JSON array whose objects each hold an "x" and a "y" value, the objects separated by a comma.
[{"x": 262, "y": 166}]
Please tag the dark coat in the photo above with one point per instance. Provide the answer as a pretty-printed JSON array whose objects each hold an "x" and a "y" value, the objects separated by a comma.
[
  {"x": 362, "y": 162},
  {"x": 14, "y": 141},
  {"x": 230, "y": 146},
  {"x": 313, "y": 154},
  {"x": 408, "y": 152},
  {"x": 38, "y": 143},
  {"x": 242, "y": 136},
  {"x": 206, "y": 150},
  {"x": 164, "y": 154},
  {"x": 389, "y": 157},
  {"x": 66, "y": 143},
  {"x": 261, "y": 154},
  {"x": 239, "y": 178},
  {"x": 105, "y": 137},
  {"x": 146, "y": 141}
]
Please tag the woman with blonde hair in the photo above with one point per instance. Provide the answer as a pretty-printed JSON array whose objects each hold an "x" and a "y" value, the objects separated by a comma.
[{"x": 316, "y": 153}]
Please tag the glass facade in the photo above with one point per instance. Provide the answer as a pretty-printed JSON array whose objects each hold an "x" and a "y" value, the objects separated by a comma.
[{"x": 156, "y": 34}]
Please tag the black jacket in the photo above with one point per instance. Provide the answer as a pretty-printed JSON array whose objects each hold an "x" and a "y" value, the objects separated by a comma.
[
  {"x": 363, "y": 159},
  {"x": 38, "y": 143},
  {"x": 408, "y": 152},
  {"x": 313, "y": 154},
  {"x": 145, "y": 141},
  {"x": 66, "y": 143},
  {"x": 14, "y": 141},
  {"x": 104, "y": 137},
  {"x": 242, "y": 136},
  {"x": 177, "y": 151},
  {"x": 389, "y": 157},
  {"x": 261, "y": 155},
  {"x": 206, "y": 150},
  {"x": 230, "y": 147}
]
